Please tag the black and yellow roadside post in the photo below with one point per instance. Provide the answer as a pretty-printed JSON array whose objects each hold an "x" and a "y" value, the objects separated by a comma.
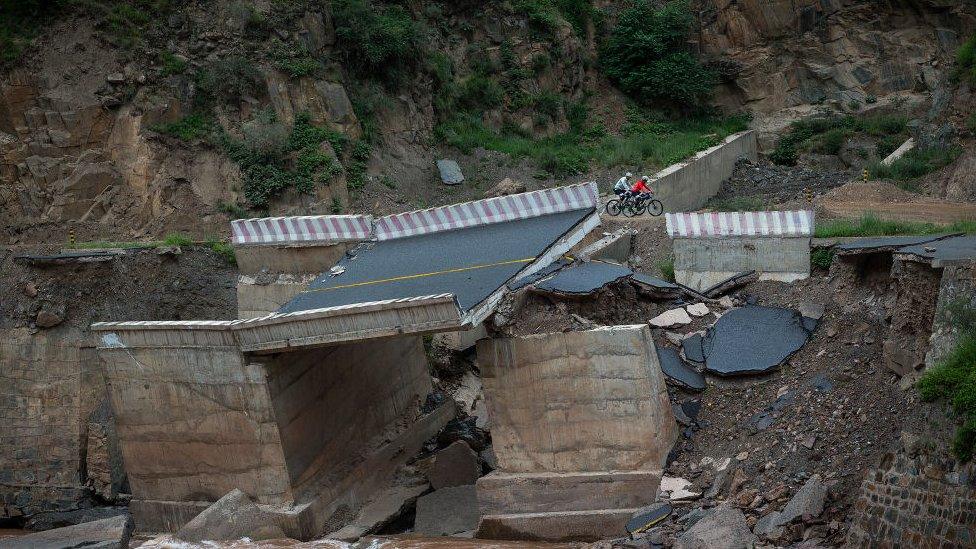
[
  {"x": 808, "y": 193},
  {"x": 71, "y": 237},
  {"x": 865, "y": 175}
]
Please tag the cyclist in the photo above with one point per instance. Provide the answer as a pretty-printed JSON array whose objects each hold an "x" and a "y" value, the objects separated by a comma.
[
  {"x": 622, "y": 185},
  {"x": 640, "y": 189}
]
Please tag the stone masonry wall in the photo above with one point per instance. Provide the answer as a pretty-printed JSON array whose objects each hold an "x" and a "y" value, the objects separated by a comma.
[
  {"x": 40, "y": 406},
  {"x": 911, "y": 505}
]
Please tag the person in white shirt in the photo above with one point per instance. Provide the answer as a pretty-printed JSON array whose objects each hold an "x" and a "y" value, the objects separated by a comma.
[{"x": 622, "y": 185}]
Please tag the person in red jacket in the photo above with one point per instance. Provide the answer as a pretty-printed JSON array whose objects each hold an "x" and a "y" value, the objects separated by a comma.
[{"x": 640, "y": 187}]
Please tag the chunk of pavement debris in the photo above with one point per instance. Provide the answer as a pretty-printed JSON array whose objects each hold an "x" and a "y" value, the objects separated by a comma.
[
  {"x": 724, "y": 527},
  {"x": 447, "y": 511},
  {"x": 674, "y": 317},
  {"x": 726, "y": 301},
  {"x": 676, "y": 489},
  {"x": 698, "y": 309},
  {"x": 645, "y": 518},
  {"x": 108, "y": 533},
  {"x": 753, "y": 340},
  {"x": 808, "y": 500},
  {"x": 692, "y": 346},
  {"x": 450, "y": 172},
  {"x": 50, "y": 316},
  {"x": 456, "y": 465},
  {"x": 233, "y": 516},
  {"x": 677, "y": 371}
]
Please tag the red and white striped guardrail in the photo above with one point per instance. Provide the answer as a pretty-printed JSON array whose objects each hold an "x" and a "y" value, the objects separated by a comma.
[
  {"x": 487, "y": 211},
  {"x": 325, "y": 229},
  {"x": 302, "y": 229},
  {"x": 721, "y": 224}
]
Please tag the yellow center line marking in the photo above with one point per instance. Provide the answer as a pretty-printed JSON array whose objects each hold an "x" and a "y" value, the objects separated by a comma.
[{"x": 421, "y": 275}]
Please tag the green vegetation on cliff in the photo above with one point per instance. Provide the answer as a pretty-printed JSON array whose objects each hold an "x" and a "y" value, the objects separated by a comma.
[
  {"x": 953, "y": 378},
  {"x": 648, "y": 55}
]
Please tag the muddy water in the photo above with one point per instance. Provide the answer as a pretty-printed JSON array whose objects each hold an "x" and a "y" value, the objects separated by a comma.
[{"x": 399, "y": 542}]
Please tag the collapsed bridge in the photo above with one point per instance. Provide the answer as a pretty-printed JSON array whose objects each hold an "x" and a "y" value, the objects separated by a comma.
[{"x": 276, "y": 404}]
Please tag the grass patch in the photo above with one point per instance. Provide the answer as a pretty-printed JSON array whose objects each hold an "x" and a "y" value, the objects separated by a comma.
[
  {"x": 965, "y": 68},
  {"x": 666, "y": 266},
  {"x": 871, "y": 225},
  {"x": 915, "y": 163},
  {"x": 738, "y": 204},
  {"x": 953, "y": 378},
  {"x": 104, "y": 244},
  {"x": 177, "y": 239},
  {"x": 645, "y": 144},
  {"x": 827, "y": 135},
  {"x": 170, "y": 64},
  {"x": 379, "y": 41},
  {"x": 235, "y": 211},
  {"x": 222, "y": 249},
  {"x": 822, "y": 257}
]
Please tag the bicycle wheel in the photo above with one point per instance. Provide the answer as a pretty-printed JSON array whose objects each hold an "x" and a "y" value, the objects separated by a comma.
[
  {"x": 629, "y": 209},
  {"x": 613, "y": 207},
  {"x": 655, "y": 208}
]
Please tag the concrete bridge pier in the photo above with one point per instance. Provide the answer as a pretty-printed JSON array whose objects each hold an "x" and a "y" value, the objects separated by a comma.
[{"x": 581, "y": 427}]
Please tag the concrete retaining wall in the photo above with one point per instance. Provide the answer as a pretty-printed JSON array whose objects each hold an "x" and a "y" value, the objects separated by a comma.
[
  {"x": 703, "y": 262},
  {"x": 688, "y": 185}
]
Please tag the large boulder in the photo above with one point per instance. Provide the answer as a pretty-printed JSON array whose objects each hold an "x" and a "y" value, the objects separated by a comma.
[
  {"x": 722, "y": 528},
  {"x": 233, "y": 516},
  {"x": 109, "y": 533},
  {"x": 456, "y": 465},
  {"x": 447, "y": 511},
  {"x": 808, "y": 501}
]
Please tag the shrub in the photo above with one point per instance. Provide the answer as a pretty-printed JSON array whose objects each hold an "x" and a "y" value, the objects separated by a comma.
[
  {"x": 667, "y": 269},
  {"x": 785, "y": 153},
  {"x": 226, "y": 81},
  {"x": 887, "y": 145},
  {"x": 647, "y": 55},
  {"x": 965, "y": 68},
  {"x": 272, "y": 159},
  {"x": 954, "y": 379},
  {"x": 189, "y": 128},
  {"x": 235, "y": 211},
  {"x": 171, "y": 64},
  {"x": 378, "y": 41}
]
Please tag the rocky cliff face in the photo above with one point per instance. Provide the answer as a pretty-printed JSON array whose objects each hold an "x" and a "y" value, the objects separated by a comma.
[
  {"x": 789, "y": 53},
  {"x": 80, "y": 117}
]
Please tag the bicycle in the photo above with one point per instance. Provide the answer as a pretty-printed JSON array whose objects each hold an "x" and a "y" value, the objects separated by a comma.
[{"x": 633, "y": 206}]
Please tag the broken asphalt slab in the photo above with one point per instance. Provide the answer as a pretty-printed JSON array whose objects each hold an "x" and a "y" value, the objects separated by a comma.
[
  {"x": 584, "y": 278},
  {"x": 647, "y": 517},
  {"x": 678, "y": 371},
  {"x": 887, "y": 243},
  {"x": 958, "y": 249},
  {"x": 470, "y": 263},
  {"x": 753, "y": 340}
]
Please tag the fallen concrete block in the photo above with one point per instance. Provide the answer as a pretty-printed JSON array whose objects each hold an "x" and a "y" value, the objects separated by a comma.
[
  {"x": 233, "y": 516},
  {"x": 668, "y": 319},
  {"x": 447, "y": 511},
  {"x": 456, "y": 465},
  {"x": 450, "y": 172},
  {"x": 698, "y": 309},
  {"x": 722, "y": 528},
  {"x": 109, "y": 533},
  {"x": 901, "y": 151}
]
